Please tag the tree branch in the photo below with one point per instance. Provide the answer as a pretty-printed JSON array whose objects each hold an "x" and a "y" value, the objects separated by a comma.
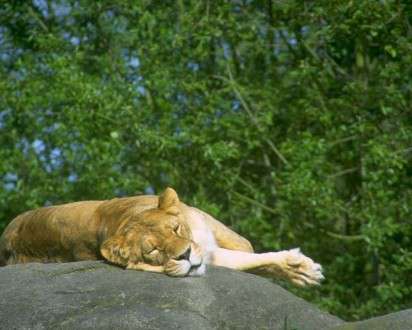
[
  {"x": 249, "y": 112},
  {"x": 38, "y": 19},
  {"x": 256, "y": 203},
  {"x": 348, "y": 238},
  {"x": 343, "y": 172}
]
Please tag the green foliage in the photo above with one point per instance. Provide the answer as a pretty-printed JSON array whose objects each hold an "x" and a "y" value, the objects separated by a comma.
[{"x": 290, "y": 121}]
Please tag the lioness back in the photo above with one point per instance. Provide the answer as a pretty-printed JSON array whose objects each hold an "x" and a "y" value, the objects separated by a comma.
[{"x": 55, "y": 233}]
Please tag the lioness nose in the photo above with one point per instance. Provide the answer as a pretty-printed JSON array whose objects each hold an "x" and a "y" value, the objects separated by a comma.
[{"x": 185, "y": 255}]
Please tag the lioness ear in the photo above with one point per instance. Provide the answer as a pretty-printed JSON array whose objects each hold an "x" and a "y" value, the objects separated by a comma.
[
  {"x": 168, "y": 199},
  {"x": 115, "y": 250}
]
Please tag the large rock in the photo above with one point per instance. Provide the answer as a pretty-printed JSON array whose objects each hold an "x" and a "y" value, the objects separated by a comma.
[
  {"x": 394, "y": 321},
  {"x": 94, "y": 295}
]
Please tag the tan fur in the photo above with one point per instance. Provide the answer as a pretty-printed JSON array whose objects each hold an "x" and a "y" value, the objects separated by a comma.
[{"x": 149, "y": 233}]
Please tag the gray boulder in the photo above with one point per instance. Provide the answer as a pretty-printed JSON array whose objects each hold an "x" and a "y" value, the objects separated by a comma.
[
  {"x": 394, "y": 321},
  {"x": 95, "y": 295}
]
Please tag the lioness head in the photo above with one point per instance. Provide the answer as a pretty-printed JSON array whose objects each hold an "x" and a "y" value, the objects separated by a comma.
[{"x": 158, "y": 240}]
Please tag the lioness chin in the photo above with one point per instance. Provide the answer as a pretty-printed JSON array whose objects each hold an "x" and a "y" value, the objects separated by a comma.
[{"x": 149, "y": 233}]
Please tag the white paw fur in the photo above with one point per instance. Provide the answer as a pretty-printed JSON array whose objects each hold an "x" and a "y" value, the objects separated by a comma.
[{"x": 301, "y": 269}]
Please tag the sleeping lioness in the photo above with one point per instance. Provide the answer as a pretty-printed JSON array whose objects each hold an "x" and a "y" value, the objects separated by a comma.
[{"x": 149, "y": 233}]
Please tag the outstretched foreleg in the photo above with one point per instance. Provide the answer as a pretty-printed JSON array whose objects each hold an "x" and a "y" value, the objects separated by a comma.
[{"x": 291, "y": 265}]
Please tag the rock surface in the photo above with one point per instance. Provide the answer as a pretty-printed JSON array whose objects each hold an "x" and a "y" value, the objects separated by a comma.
[
  {"x": 94, "y": 295},
  {"x": 394, "y": 321}
]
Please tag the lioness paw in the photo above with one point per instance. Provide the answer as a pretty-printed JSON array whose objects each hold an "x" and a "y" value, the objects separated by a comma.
[
  {"x": 177, "y": 268},
  {"x": 300, "y": 269}
]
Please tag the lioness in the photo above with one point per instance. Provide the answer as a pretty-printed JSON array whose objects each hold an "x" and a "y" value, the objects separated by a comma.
[{"x": 150, "y": 233}]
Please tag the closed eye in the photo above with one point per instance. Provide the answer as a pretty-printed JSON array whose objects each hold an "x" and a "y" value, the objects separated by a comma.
[
  {"x": 154, "y": 251},
  {"x": 176, "y": 229}
]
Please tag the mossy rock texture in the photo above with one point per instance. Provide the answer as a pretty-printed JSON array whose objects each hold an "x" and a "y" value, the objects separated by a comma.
[{"x": 95, "y": 295}]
